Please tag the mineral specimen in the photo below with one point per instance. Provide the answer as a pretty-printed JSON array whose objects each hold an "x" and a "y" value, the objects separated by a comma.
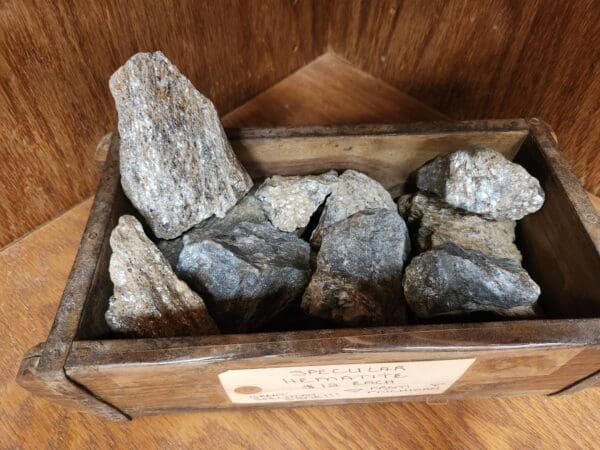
[
  {"x": 148, "y": 299},
  {"x": 248, "y": 209},
  {"x": 353, "y": 192},
  {"x": 358, "y": 280},
  {"x": 433, "y": 222},
  {"x": 450, "y": 280},
  {"x": 177, "y": 167},
  {"x": 289, "y": 202},
  {"x": 247, "y": 274},
  {"x": 483, "y": 182}
]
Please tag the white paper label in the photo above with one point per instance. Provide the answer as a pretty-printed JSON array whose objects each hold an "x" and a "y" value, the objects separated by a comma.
[{"x": 342, "y": 381}]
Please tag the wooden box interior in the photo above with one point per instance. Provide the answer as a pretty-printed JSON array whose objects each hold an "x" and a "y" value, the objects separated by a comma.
[{"x": 562, "y": 266}]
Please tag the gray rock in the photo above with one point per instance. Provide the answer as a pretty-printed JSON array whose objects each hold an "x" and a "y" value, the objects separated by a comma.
[
  {"x": 248, "y": 274},
  {"x": 353, "y": 192},
  {"x": 177, "y": 167},
  {"x": 248, "y": 209},
  {"x": 358, "y": 280},
  {"x": 482, "y": 182},
  {"x": 451, "y": 280},
  {"x": 148, "y": 299},
  {"x": 289, "y": 202},
  {"x": 434, "y": 222}
]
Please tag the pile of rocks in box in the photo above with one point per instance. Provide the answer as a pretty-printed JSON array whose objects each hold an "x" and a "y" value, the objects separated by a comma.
[{"x": 226, "y": 255}]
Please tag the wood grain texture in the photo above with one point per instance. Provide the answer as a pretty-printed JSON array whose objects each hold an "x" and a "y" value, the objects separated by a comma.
[
  {"x": 36, "y": 268},
  {"x": 486, "y": 59},
  {"x": 56, "y": 58}
]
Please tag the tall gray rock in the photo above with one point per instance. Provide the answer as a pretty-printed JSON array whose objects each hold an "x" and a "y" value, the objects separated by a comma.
[
  {"x": 177, "y": 167},
  {"x": 452, "y": 280},
  {"x": 433, "y": 222},
  {"x": 483, "y": 182},
  {"x": 148, "y": 299},
  {"x": 353, "y": 192},
  {"x": 358, "y": 280},
  {"x": 247, "y": 274}
]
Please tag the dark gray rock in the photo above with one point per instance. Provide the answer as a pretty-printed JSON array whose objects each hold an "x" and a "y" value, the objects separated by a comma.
[
  {"x": 353, "y": 192},
  {"x": 433, "y": 222},
  {"x": 451, "y": 280},
  {"x": 148, "y": 299},
  {"x": 358, "y": 280},
  {"x": 248, "y": 274},
  {"x": 177, "y": 167},
  {"x": 483, "y": 182}
]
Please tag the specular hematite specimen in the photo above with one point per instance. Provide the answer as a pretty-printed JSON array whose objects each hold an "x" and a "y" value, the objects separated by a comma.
[
  {"x": 177, "y": 167},
  {"x": 289, "y": 202},
  {"x": 248, "y": 274},
  {"x": 353, "y": 192},
  {"x": 248, "y": 209},
  {"x": 433, "y": 222},
  {"x": 148, "y": 299},
  {"x": 451, "y": 280},
  {"x": 482, "y": 182},
  {"x": 358, "y": 280}
]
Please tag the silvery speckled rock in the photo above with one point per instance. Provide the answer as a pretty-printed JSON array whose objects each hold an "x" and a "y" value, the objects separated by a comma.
[
  {"x": 482, "y": 182},
  {"x": 433, "y": 222},
  {"x": 353, "y": 192},
  {"x": 148, "y": 299},
  {"x": 248, "y": 209},
  {"x": 451, "y": 280},
  {"x": 177, "y": 167},
  {"x": 289, "y": 202},
  {"x": 248, "y": 274},
  {"x": 358, "y": 280}
]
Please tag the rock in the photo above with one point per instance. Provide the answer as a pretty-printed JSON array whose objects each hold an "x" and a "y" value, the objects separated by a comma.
[
  {"x": 148, "y": 299},
  {"x": 248, "y": 274},
  {"x": 289, "y": 202},
  {"x": 451, "y": 280},
  {"x": 358, "y": 280},
  {"x": 483, "y": 182},
  {"x": 177, "y": 167},
  {"x": 353, "y": 192},
  {"x": 248, "y": 209},
  {"x": 434, "y": 222}
]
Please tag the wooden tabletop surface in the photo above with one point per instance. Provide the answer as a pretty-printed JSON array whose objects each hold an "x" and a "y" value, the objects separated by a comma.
[{"x": 34, "y": 269}]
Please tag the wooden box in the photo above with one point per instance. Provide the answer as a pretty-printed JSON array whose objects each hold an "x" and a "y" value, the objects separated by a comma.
[{"x": 81, "y": 366}]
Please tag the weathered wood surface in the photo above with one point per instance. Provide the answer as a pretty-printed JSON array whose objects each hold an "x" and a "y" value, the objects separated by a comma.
[{"x": 33, "y": 272}]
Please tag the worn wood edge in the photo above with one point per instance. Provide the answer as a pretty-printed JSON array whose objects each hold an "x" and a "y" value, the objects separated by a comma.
[
  {"x": 483, "y": 336},
  {"x": 579, "y": 199},
  {"x": 591, "y": 381},
  {"x": 42, "y": 369}
]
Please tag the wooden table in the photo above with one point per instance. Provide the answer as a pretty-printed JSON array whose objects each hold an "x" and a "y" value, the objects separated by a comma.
[{"x": 34, "y": 269}]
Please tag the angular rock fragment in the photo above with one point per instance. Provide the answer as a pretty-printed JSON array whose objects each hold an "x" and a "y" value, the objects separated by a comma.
[
  {"x": 177, "y": 167},
  {"x": 483, "y": 182},
  {"x": 248, "y": 274},
  {"x": 148, "y": 299},
  {"x": 289, "y": 202},
  {"x": 434, "y": 222},
  {"x": 451, "y": 280},
  {"x": 358, "y": 280},
  {"x": 248, "y": 209},
  {"x": 353, "y": 192}
]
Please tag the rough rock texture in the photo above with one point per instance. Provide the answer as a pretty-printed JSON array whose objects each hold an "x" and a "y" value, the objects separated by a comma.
[
  {"x": 353, "y": 192},
  {"x": 289, "y": 202},
  {"x": 148, "y": 299},
  {"x": 452, "y": 280},
  {"x": 483, "y": 182},
  {"x": 358, "y": 280},
  {"x": 247, "y": 274},
  {"x": 433, "y": 222},
  {"x": 177, "y": 167},
  {"x": 248, "y": 209}
]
